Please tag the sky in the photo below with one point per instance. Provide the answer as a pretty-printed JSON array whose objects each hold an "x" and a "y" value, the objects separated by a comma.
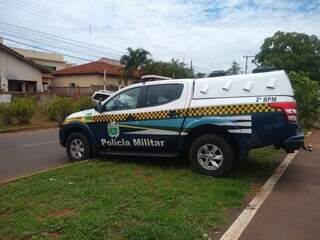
[{"x": 210, "y": 33}]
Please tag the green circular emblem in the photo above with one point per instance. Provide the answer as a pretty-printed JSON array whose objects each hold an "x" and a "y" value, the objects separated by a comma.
[{"x": 113, "y": 130}]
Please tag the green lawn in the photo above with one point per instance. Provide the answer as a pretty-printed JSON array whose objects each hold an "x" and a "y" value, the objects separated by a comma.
[{"x": 127, "y": 199}]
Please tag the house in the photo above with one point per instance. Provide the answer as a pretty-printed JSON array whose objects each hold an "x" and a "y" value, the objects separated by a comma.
[
  {"x": 87, "y": 78},
  {"x": 18, "y": 73},
  {"x": 52, "y": 61},
  {"x": 110, "y": 60}
]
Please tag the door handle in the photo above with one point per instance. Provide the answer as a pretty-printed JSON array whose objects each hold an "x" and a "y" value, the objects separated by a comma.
[
  {"x": 173, "y": 113},
  {"x": 130, "y": 117}
]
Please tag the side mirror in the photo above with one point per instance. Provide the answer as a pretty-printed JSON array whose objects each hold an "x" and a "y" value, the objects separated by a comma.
[{"x": 99, "y": 107}]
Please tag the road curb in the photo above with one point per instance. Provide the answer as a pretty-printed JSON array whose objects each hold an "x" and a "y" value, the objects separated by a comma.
[
  {"x": 239, "y": 225},
  {"x": 25, "y": 129},
  {"x": 41, "y": 171}
]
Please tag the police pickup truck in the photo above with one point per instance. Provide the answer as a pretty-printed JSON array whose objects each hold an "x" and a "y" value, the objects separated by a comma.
[{"x": 212, "y": 121}]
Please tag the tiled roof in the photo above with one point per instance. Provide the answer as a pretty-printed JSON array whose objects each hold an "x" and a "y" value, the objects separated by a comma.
[{"x": 92, "y": 67}]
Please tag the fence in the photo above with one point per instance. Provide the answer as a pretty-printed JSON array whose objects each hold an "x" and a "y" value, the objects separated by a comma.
[
  {"x": 40, "y": 96},
  {"x": 74, "y": 92},
  {"x": 79, "y": 91}
]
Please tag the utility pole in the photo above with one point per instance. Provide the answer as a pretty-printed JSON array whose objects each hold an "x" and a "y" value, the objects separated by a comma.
[
  {"x": 247, "y": 57},
  {"x": 104, "y": 79}
]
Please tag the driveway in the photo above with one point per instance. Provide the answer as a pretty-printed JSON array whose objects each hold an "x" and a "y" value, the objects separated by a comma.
[{"x": 27, "y": 152}]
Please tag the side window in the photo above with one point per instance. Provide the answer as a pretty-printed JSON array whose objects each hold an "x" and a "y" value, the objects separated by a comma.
[
  {"x": 161, "y": 94},
  {"x": 125, "y": 100},
  {"x": 100, "y": 97}
]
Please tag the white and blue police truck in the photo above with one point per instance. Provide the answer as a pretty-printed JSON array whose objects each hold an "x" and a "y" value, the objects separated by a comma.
[{"x": 212, "y": 121}]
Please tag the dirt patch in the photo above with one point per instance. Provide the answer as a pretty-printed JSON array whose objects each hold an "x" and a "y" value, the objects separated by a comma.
[
  {"x": 65, "y": 212},
  {"x": 27, "y": 237},
  {"x": 5, "y": 213},
  {"x": 143, "y": 175},
  {"x": 52, "y": 235}
]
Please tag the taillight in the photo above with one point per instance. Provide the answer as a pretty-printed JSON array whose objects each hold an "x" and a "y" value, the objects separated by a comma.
[{"x": 288, "y": 108}]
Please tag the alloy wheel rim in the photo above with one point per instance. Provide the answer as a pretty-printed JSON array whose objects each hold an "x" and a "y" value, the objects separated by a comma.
[
  {"x": 77, "y": 148},
  {"x": 210, "y": 156}
]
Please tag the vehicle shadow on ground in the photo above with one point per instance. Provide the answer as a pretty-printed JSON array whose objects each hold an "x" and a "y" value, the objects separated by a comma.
[
  {"x": 259, "y": 165},
  {"x": 176, "y": 162}
]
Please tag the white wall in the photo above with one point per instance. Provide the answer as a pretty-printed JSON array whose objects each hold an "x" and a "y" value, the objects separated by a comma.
[
  {"x": 12, "y": 68},
  {"x": 83, "y": 80}
]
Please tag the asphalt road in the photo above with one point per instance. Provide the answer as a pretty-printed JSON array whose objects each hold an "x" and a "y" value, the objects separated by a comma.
[
  {"x": 292, "y": 209},
  {"x": 27, "y": 152}
]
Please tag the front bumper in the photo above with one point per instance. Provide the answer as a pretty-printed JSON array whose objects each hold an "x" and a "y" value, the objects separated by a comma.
[
  {"x": 294, "y": 142},
  {"x": 62, "y": 138}
]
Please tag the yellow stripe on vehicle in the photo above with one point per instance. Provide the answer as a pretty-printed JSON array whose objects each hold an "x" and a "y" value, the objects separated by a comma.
[{"x": 191, "y": 112}]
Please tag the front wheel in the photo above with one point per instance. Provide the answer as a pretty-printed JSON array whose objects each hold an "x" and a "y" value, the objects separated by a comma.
[
  {"x": 78, "y": 147},
  {"x": 212, "y": 155}
]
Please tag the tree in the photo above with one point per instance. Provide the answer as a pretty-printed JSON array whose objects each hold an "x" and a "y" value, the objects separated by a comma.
[
  {"x": 307, "y": 94},
  {"x": 291, "y": 51},
  {"x": 235, "y": 69},
  {"x": 135, "y": 59},
  {"x": 172, "y": 69}
]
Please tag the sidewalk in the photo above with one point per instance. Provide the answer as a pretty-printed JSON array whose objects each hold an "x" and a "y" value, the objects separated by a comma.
[{"x": 292, "y": 210}]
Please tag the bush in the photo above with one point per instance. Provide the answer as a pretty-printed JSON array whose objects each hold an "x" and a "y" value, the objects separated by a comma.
[
  {"x": 307, "y": 94},
  {"x": 23, "y": 109},
  {"x": 6, "y": 114},
  {"x": 58, "y": 108},
  {"x": 84, "y": 103}
]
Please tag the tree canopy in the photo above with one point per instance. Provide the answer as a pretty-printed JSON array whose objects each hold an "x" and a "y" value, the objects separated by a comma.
[
  {"x": 135, "y": 59},
  {"x": 141, "y": 59},
  {"x": 234, "y": 69},
  {"x": 172, "y": 69},
  {"x": 291, "y": 51},
  {"x": 307, "y": 94}
]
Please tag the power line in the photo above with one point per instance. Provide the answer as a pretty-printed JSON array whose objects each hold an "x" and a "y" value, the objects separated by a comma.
[
  {"x": 47, "y": 50},
  {"x": 67, "y": 40},
  {"x": 52, "y": 46},
  {"x": 54, "y": 15}
]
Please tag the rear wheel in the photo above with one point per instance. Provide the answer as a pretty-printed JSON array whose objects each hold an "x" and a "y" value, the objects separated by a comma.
[
  {"x": 212, "y": 155},
  {"x": 78, "y": 147}
]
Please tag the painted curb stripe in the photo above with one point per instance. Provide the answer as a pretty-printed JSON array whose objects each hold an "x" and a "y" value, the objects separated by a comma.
[{"x": 239, "y": 225}]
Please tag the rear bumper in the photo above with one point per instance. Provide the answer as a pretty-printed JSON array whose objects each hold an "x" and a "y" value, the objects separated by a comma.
[{"x": 294, "y": 142}]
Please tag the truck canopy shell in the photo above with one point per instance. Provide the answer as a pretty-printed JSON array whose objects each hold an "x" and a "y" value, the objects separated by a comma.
[{"x": 274, "y": 83}]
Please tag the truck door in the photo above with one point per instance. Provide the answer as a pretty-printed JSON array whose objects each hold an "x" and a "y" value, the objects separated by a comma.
[
  {"x": 111, "y": 128},
  {"x": 159, "y": 118}
]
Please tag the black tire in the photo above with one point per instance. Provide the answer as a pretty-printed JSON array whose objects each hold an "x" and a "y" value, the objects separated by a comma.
[
  {"x": 80, "y": 138},
  {"x": 224, "y": 148}
]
